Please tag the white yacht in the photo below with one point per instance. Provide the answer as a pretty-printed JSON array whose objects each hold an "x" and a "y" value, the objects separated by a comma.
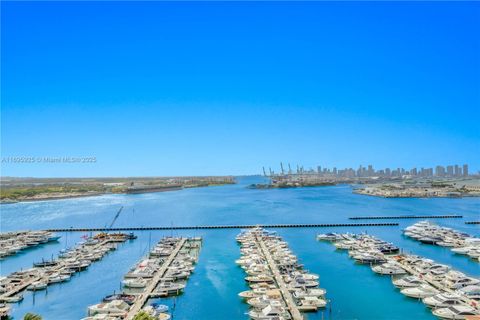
[
  {"x": 442, "y": 300},
  {"x": 420, "y": 292},
  {"x": 112, "y": 307},
  {"x": 309, "y": 293},
  {"x": 460, "y": 282},
  {"x": 135, "y": 283},
  {"x": 407, "y": 282},
  {"x": 312, "y": 303},
  {"x": 471, "y": 292},
  {"x": 459, "y": 312},
  {"x": 389, "y": 268},
  {"x": 270, "y": 313},
  {"x": 37, "y": 285}
]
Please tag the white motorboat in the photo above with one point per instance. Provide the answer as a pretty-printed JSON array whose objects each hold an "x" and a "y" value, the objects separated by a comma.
[
  {"x": 37, "y": 285},
  {"x": 389, "y": 268},
  {"x": 313, "y": 302},
  {"x": 407, "y": 282},
  {"x": 135, "y": 283},
  {"x": 309, "y": 293},
  {"x": 459, "y": 312},
  {"x": 471, "y": 292},
  {"x": 270, "y": 313},
  {"x": 330, "y": 237},
  {"x": 112, "y": 307},
  {"x": 460, "y": 282},
  {"x": 420, "y": 292},
  {"x": 442, "y": 300}
]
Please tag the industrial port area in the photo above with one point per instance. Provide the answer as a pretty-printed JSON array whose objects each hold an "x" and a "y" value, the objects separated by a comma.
[{"x": 449, "y": 181}]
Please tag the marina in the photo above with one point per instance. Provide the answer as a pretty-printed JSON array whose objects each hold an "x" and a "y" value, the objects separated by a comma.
[
  {"x": 280, "y": 288},
  {"x": 163, "y": 272},
  {"x": 449, "y": 293},
  {"x": 459, "y": 242},
  {"x": 12, "y": 243},
  {"x": 217, "y": 277},
  {"x": 49, "y": 272}
]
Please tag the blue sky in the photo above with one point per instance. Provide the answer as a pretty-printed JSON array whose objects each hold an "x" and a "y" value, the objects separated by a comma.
[{"x": 164, "y": 88}]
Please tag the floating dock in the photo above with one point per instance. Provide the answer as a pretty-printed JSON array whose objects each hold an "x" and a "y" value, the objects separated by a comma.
[
  {"x": 273, "y": 274},
  {"x": 161, "y": 273},
  {"x": 472, "y": 222},
  {"x": 406, "y": 217},
  {"x": 247, "y": 226},
  {"x": 287, "y": 296},
  {"x": 18, "y": 281},
  {"x": 152, "y": 284},
  {"x": 403, "y": 262}
]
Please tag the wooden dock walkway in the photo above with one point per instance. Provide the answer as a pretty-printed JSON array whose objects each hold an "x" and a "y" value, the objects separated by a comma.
[
  {"x": 4, "y": 297},
  {"x": 287, "y": 296},
  {"x": 406, "y": 217},
  {"x": 142, "y": 298},
  {"x": 247, "y": 226}
]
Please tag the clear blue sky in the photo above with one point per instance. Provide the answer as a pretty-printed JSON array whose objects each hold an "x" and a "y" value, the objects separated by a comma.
[{"x": 162, "y": 88}]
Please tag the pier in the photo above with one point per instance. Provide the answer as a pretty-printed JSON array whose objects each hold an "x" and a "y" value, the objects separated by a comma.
[
  {"x": 406, "y": 217},
  {"x": 79, "y": 259},
  {"x": 287, "y": 296},
  {"x": 142, "y": 298},
  {"x": 279, "y": 286},
  {"x": 161, "y": 273},
  {"x": 239, "y": 226},
  {"x": 366, "y": 249}
]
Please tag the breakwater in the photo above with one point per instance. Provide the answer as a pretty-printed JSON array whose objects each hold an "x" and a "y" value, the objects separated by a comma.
[
  {"x": 407, "y": 217},
  {"x": 239, "y": 226}
]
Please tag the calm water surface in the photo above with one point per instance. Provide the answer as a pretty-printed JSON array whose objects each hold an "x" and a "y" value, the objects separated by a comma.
[{"x": 354, "y": 290}]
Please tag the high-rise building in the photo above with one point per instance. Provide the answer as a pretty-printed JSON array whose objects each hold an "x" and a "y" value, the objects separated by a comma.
[
  {"x": 450, "y": 171},
  {"x": 413, "y": 172},
  {"x": 457, "y": 171},
  {"x": 370, "y": 170},
  {"x": 440, "y": 171},
  {"x": 465, "y": 170}
]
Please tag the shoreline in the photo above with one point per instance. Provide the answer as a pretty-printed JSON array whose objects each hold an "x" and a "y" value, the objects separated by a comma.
[
  {"x": 417, "y": 196},
  {"x": 93, "y": 194}
]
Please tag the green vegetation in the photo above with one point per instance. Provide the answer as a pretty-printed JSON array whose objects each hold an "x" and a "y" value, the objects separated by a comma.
[
  {"x": 142, "y": 315},
  {"x": 32, "y": 316},
  {"x": 15, "y": 193},
  {"x": 20, "y": 189}
]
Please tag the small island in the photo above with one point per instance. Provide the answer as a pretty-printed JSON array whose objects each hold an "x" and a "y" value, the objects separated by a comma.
[
  {"x": 14, "y": 189},
  {"x": 423, "y": 189}
]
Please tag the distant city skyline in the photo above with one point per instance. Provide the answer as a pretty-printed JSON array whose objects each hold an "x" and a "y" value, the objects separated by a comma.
[
  {"x": 369, "y": 171},
  {"x": 217, "y": 88}
]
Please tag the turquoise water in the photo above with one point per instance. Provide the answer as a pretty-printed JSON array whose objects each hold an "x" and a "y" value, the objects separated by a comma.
[{"x": 354, "y": 290}]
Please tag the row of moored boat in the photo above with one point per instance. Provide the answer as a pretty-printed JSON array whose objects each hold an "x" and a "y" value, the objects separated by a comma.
[
  {"x": 16, "y": 241},
  {"x": 459, "y": 242},
  {"x": 48, "y": 272},
  {"x": 451, "y": 294},
  {"x": 162, "y": 273},
  {"x": 279, "y": 286}
]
